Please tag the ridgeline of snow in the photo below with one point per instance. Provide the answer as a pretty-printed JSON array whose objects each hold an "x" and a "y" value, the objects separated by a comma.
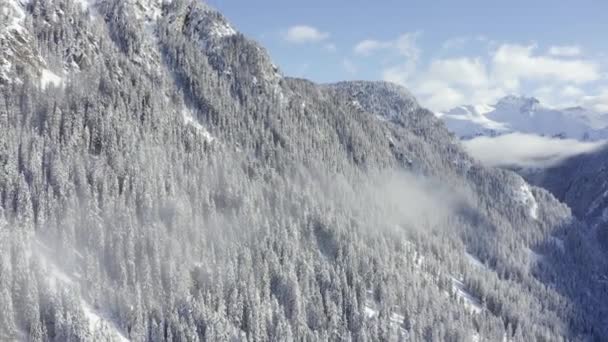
[{"x": 525, "y": 115}]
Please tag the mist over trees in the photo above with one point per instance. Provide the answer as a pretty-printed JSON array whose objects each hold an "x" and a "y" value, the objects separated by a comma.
[{"x": 175, "y": 186}]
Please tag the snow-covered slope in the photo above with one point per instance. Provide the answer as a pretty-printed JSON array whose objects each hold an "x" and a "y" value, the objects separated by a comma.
[
  {"x": 525, "y": 115},
  {"x": 176, "y": 186}
]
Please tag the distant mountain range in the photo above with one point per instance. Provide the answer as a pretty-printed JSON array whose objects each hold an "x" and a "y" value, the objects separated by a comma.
[{"x": 525, "y": 115}]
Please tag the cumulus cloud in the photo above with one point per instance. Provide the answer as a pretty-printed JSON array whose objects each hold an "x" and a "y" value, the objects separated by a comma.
[
  {"x": 404, "y": 45},
  {"x": 513, "y": 62},
  {"x": 369, "y": 46},
  {"x": 566, "y": 50},
  {"x": 526, "y": 150},
  {"x": 597, "y": 102},
  {"x": 447, "y": 82},
  {"x": 403, "y": 51},
  {"x": 463, "y": 71},
  {"x": 301, "y": 34}
]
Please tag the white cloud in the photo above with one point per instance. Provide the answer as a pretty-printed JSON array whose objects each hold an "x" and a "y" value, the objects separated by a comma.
[
  {"x": 404, "y": 49},
  {"x": 369, "y": 46},
  {"x": 559, "y": 76},
  {"x": 404, "y": 45},
  {"x": 597, "y": 102},
  {"x": 558, "y": 96},
  {"x": 513, "y": 62},
  {"x": 440, "y": 95},
  {"x": 526, "y": 150},
  {"x": 565, "y": 50},
  {"x": 570, "y": 91},
  {"x": 400, "y": 73},
  {"x": 463, "y": 71},
  {"x": 301, "y": 34},
  {"x": 447, "y": 82}
]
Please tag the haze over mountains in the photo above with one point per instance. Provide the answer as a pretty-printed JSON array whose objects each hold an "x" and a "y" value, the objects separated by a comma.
[{"x": 162, "y": 180}]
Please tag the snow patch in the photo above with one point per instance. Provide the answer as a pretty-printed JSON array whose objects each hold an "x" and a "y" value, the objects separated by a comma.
[
  {"x": 98, "y": 323},
  {"x": 597, "y": 202},
  {"x": 48, "y": 77},
  {"x": 191, "y": 121},
  {"x": 357, "y": 105},
  {"x": 13, "y": 14},
  {"x": 533, "y": 257},
  {"x": 371, "y": 312},
  {"x": 524, "y": 196},
  {"x": 59, "y": 279},
  {"x": 471, "y": 303},
  {"x": 221, "y": 29},
  {"x": 88, "y": 5},
  {"x": 474, "y": 261},
  {"x": 12, "y": 34},
  {"x": 559, "y": 243},
  {"x": 483, "y": 109},
  {"x": 5, "y": 68}
]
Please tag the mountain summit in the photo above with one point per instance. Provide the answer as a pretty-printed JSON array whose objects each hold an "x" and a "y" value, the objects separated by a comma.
[{"x": 525, "y": 115}]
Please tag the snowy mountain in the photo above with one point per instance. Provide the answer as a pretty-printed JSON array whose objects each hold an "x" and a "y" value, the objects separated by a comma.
[
  {"x": 581, "y": 182},
  {"x": 161, "y": 180},
  {"x": 517, "y": 114}
]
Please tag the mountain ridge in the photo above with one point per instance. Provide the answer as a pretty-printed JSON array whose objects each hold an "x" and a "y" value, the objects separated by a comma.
[
  {"x": 174, "y": 185},
  {"x": 520, "y": 114}
]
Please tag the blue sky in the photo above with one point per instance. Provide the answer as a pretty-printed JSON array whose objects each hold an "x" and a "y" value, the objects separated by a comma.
[{"x": 446, "y": 52}]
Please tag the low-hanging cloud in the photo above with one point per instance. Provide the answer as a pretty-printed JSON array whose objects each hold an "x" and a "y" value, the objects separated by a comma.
[{"x": 526, "y": 150}]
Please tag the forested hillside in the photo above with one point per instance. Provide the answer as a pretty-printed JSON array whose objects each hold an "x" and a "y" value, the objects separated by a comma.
[
  {"x": 581, "y": 182},
  {"x": 162, "y": 180}
]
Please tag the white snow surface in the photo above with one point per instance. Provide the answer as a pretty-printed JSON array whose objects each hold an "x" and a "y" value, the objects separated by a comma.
[
  {"x": 518, "y": 114},
  {"x": 58, "y": 278},
  {"x": 47, "y": 77},
  {"x": 533, "y": 257},
  {"x": 470, "y": 302},
  {"x": 96, "y": 321},
  {"x": 474, "y": 261},
  {"x": 524, "y": 196},
  {"x": 221, "y": 29},
  {"x": 190, "y": 120},
  {"x": 12, "y": 15},
  {"x": 371, "y": 312}
]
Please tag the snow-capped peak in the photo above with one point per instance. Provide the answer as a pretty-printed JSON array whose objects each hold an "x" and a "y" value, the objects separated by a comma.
[
  {"x": 522, "y": 114},
  {"x": 517, "y": 101}
]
